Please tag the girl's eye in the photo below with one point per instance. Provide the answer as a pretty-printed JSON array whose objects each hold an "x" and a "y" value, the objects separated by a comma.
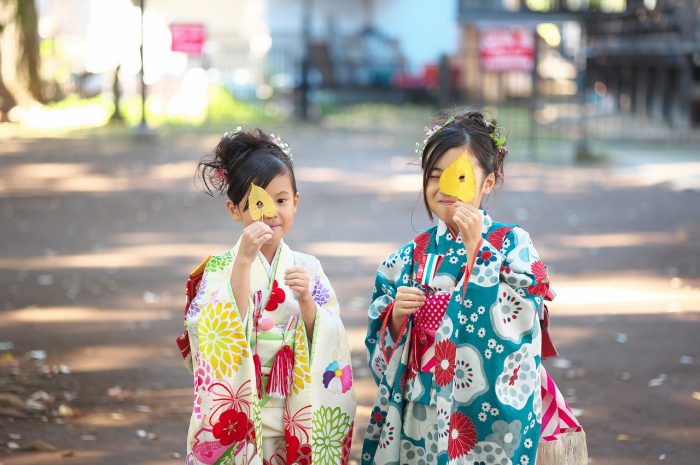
[
  {"x": 434, "y": 176},
  {"x": 281, "y": 201}
]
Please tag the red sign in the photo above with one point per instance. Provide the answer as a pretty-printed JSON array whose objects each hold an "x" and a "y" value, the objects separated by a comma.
[
  {"x": 507, "y": 48},
  {"x": 187, "y": 38}
]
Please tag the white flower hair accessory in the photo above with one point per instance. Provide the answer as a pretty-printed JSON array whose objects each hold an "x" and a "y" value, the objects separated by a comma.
[
  {"x": 429, "y": 132},
  {"x": 274, "y": 138},
  {"x": 282, "y": 145}
]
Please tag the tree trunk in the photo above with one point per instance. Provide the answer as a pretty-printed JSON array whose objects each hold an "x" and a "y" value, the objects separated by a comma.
[
  {"x": 30, "y": 57},
  {"x": 7, "y": 100}
]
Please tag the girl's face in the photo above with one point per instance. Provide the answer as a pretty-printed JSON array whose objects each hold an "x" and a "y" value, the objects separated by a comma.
[
  {"x": 443, "y": 205},
  {"x": 286, "y": 201}
]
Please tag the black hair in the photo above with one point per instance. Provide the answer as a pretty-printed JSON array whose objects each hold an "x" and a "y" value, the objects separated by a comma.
[
  {"x": 470, "y": 129},
  {"x": 241, "y": 159}
]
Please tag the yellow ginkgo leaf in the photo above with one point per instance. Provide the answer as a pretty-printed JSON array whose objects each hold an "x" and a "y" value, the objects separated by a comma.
[
  {"x": 458, "y": 179},
  {"x": 260, "y": 203}
]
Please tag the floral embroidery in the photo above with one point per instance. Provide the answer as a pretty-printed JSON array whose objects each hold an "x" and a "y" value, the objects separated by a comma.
[
  {"x": 485, "y": 257},
  {"x": 487, "y": 453},
  {"x": 331, "y": 425},
  {"x": 516, "y": 383},
  {"x": 506, "y": 435},
  {"x": 542, "y": 279},
  {"x": 297, "y": 425},
  {"x": 347, "y": 445},
  {"x": 320, "y": 293},
  {"x": 445, "y": 352},
  {"x": 222, "y": 339},
  {"x": 231, "y": 427},
  {"x": 202, "y": 381},
  {"x": 378, "y": 417},
  {"x": 511, "y": 318},
  {"x": 337, "y": 379},
  {"x": 219, "y": 262},
  {"x": 224, "y": 399},
  {"x": 387, "y": 436},
  {"x": 498, "y": 237},
  {"x": 277, "y": 297},
  {"x": 301, "y": 373},
  {"x": 462, "y": 435},
  {"x": 469, "y": 377}
]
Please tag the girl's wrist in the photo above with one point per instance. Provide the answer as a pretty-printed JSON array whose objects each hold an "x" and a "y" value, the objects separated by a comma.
[
  {"x": 242, "y": 261},
  {"x": 307, "y": 304},
  {"x": 308, "y": 312}
]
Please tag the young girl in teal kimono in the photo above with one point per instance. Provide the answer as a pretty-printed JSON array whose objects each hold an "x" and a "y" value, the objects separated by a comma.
[
  {"x": 457, "y": 326},
  {"x": 264, "y": 340}
]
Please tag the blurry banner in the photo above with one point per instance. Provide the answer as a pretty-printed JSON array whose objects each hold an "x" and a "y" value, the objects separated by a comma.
[
  {"x": 507, "y": 48},
  {"x": 187, "y": 38}
]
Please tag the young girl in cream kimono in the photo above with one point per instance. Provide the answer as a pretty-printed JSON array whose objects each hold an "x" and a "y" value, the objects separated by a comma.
[{"x": 264, "y": 340}]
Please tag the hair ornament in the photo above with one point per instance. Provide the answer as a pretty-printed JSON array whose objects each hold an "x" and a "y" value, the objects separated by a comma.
[
  {"x": 429, "y": 132},
  {"x": 277, "y": 140},
  {"x": 499, "y": 141}
]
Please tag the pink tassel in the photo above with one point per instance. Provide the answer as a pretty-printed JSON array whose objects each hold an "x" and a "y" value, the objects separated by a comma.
[
  {"x": 258, "y": 374},
  {"x": 279, "y": 382}
]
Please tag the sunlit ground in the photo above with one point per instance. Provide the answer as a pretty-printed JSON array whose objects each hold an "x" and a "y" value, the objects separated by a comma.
[{"x": 99, "y": 240}]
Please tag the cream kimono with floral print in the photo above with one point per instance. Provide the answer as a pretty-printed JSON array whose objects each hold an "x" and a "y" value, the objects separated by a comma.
[{"x": 229, "y": 423}]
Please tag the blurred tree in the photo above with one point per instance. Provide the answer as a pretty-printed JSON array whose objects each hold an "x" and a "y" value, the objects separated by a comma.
[
  {"x": 29, "y": 56},
  {"x": 7, "y": 100},
  {"x": 22, "y": 14}
]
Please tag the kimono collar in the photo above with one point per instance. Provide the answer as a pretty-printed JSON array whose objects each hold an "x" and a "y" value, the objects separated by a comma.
[
  {"x": 282, "y": 260},
  {"x": 444, "y": 234}
]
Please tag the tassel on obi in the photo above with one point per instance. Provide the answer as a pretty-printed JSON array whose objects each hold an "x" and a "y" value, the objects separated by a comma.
[
  {"x": 279, "y": 382},
  {"x": 567, "y": 449},
  {"x": 258, "y": 374}
]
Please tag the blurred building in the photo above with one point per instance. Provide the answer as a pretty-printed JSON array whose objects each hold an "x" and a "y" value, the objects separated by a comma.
[
  {"x": 648, "y": 58},
  {"x": 637, "y": 56},
  {"x": 252, "y": 47}
]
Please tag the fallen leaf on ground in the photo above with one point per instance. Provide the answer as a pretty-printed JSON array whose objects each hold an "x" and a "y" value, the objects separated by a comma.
[
  {"x": 40, "y": 400},
  {"x": 39, "y": 446},
  {"x": 658, "y": 381},
  {"x": 36, "y": 355},
  {"x": 117, "y": 393},
  {"x": 66, "y": 411}
]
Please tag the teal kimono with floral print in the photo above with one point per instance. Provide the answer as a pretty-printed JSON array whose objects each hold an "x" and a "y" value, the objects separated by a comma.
[{"x": 473, "y": 396}]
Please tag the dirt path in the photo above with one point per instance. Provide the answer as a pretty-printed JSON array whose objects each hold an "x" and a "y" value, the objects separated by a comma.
[{"x": 99, "y": 235}]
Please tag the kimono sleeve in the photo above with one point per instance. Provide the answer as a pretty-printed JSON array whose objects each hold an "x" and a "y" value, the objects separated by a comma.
[
  {"x": 522, "y": 282},
  {"x": 391, "y": 274},
  {"x": 191, "y": 291},
  {"x": 327, "y": 307}
]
